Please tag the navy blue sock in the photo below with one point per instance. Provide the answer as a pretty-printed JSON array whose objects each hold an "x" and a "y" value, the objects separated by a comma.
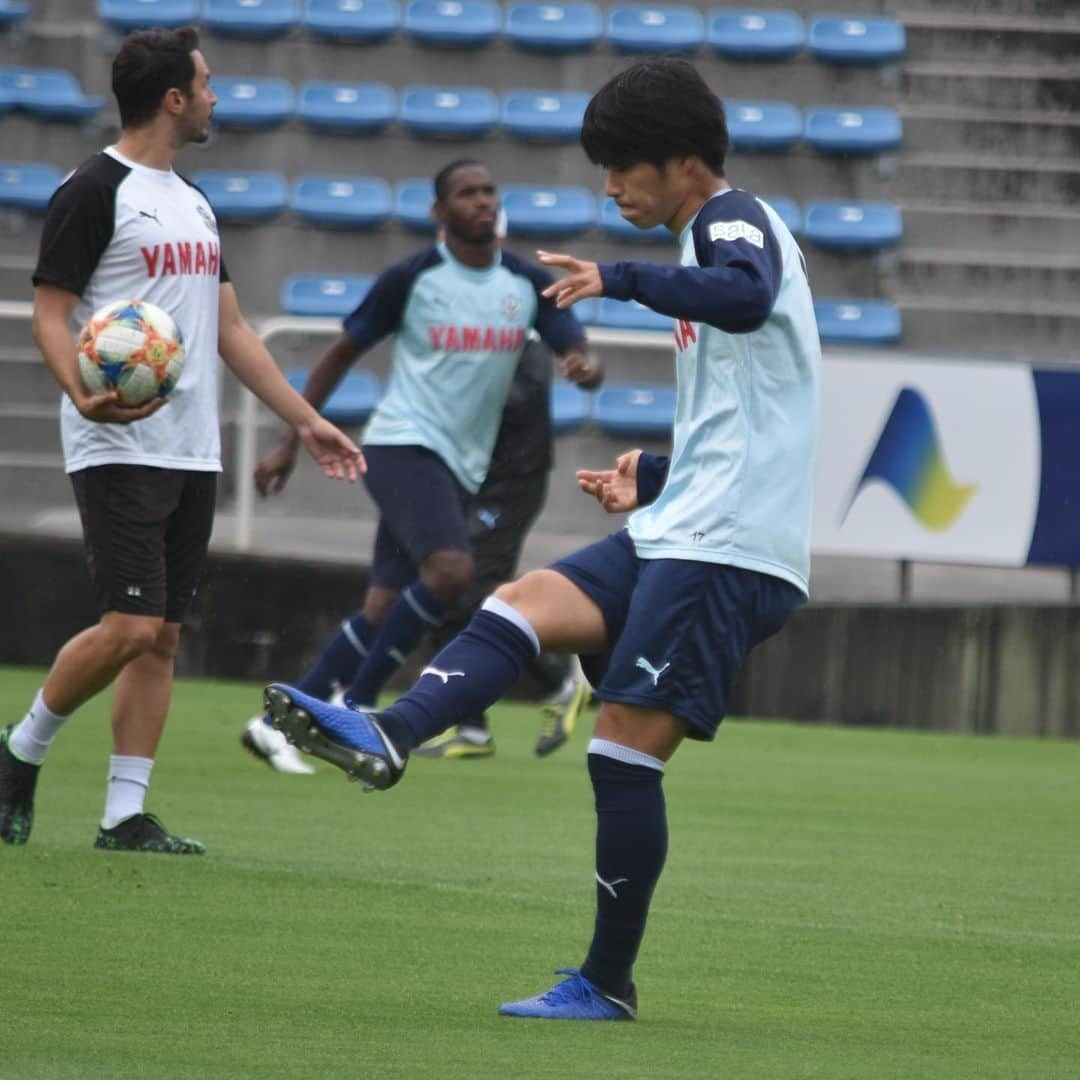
[
  {"x": 631, "y": 845},
  {"x": 341, "y": 659},
  {"x": 416, "y": 611},
  {"x": 471, "y": 673}
]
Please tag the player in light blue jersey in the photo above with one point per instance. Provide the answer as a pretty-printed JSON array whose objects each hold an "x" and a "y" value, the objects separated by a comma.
[
  {"x": 460, "y": 312},
  {"x": 714, "y": 559}
]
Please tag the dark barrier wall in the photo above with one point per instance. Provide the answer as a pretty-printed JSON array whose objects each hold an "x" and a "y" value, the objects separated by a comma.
[{"x": 1010, "y": 670}]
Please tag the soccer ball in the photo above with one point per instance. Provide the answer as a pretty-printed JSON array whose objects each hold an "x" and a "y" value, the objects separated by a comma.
[{"x": 132, "y": 347}]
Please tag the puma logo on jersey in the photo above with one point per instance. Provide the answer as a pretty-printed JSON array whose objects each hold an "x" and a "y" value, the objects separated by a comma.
[
  {"x": 152, "y": 216},
  {"x": 653, "y": 673},
  {"x": 737, "y": 230},
  {"x": 446, "y": 676}
]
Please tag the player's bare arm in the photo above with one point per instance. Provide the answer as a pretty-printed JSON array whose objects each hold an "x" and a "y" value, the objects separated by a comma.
[
  {"x": 582, "y": 279},
  {"x": 250, "y": 360},
  {"x": 614, "y": 489},
  {"x": 52, "y": 334},
  {"x": 274, "y": 470}
]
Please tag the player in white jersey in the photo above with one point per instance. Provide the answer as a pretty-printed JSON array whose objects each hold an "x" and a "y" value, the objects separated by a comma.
[
  {"x": 125, "y": 225},
  {"x": 664, "y": 612}
]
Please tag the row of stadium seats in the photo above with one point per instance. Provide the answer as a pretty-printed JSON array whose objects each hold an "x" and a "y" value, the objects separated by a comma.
[
  {"x": 741, "y": 33},
  {"x": 548, "y": 115},
  {"x": 558, "y": 210},
  {"x": 864, "y": 322},
  {"x": 12, "y": 13}
]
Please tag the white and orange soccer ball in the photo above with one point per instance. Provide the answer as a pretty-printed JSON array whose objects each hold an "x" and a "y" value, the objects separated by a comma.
[{"x": 132, "y": 347}]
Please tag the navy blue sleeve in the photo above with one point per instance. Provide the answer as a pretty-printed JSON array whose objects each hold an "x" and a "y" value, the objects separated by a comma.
[
  {"x": 652, "y": 470},
  {"x": 380, "y": 312},
  {"x": 736, "y": 282},
  {"x": 558, "y": 328}
]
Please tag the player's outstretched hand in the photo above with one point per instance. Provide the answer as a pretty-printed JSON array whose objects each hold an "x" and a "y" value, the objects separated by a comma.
[
  {"x": 338, "y": 455},
  {"x": 614, "y": 489},
  {"x": 582, "y": 279},
  {"x": 108, "y": 409},
  {"x": 273, "y": 472}
]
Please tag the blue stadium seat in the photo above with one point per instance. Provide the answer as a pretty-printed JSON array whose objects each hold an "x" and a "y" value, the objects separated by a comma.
[
  {"x": 328, "y": 295},
  {"x": 543, "y": 114},
  {"x": 253, "y": 102},
  {"x": 12, "y": 13},
  {"x": 629, "y": 315},
  {"x": 853, "y": 226},
  {"x": 48, "y": 92},
  {"x": 763, "y": 125},
  {"x": 638, "y": 409},
  {"x": 352, "y": 20},
  {"x": 570, "y": 406},
  {"x": 27, "y": 186},
  {"x": 857, "y": 322},
  {"x": 251, "y": 18},
  {"x": 7, "y": 99},
  {"x": 412, "y": 205},
  {"x": 749, "y": 34},
  {"x": 840, "y": 130},
  {"x": 346, "y": 106},
  {"x": 459, "y": 23},
  {"x": 556, "y": 27},
  {"x": 128, "y": 15},
  {"x": 585, "y": 312},
  {"x": 342, "y": 201},
  {"x": 787, "y": 210},
  {"x": 614, "y": 224},
  {"x": 449, "y": 111},
  {"x": 855, "y": 39},
  {"x": 353, "y": 400},
  {"x": 557, "y": 210},
  {"x": 243, "y": 196},
  {"x": 656, "y": 28}
]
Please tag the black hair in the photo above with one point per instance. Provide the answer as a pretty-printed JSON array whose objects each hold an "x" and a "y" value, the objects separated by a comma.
[
  {"x": 653, "y": 111},
  {"x": 148, "y": 65},
  {"x": 442, "y": 177}
]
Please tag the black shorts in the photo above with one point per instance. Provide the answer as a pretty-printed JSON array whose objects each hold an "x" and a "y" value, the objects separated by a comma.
[
  {"x": 146, "y": 532},
  {"x": 422, "y": 509}
]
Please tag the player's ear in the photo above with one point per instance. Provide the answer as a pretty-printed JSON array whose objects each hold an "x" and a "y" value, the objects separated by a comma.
[{"x": 175, "y": 101}]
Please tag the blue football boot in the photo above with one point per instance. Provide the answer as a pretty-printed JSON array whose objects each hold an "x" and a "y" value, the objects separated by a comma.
[
  {"x": 575, "y": 998},
  {"x": 345, "y": 737}
]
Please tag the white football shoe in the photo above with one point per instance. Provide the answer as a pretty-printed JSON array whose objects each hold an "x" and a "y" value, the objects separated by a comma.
[{"x": 264, "y": 742}]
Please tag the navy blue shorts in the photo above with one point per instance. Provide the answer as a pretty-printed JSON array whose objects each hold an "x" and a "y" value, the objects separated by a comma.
[
  {"x": 678, "y": 631},
  {"x": 422, "y": 508}
]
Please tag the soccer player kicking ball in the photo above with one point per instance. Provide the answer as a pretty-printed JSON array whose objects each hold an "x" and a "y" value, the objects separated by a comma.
[
  {"x": 714, "y": 559},
  {"x": 125, "y": 225}
]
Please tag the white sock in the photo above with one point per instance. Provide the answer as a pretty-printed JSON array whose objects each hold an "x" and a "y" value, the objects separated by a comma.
[
  {"x": 129, "y": 777},
  {"x": 32, "y": 736}
]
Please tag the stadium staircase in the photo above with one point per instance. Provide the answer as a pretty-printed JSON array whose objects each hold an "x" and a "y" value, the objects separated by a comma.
[{"x": 985, "y": 177}]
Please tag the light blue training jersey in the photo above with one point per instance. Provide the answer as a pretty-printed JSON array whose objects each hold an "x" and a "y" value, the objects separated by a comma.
[
  {"x": 739, "y": 485},
  {"x": 458, "y": 335}
]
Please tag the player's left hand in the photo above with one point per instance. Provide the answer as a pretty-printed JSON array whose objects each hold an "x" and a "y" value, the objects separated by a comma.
[
  {"x": 582, "y": 279},
  {"x": 582, "y": 370},
  {"x": 338, "y": 455}
]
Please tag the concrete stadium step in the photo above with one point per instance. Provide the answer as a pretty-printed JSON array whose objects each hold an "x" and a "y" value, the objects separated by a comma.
[
  {"x": 986, "y": 84},
  {"x": 15, "y": 270},
  {"x": 1023, "y": 132},
  {"x": 30, "y": 429},
  {"x": 968, "y": 326},
  {"x": 1042, "y": 9},
  {"x": 26, "y": 379},
  {"x": 1043, "y": 277},
  {"x": 33, "y": 480},
  {"x": 986, "y": 177},
  {"x": 1013, "y": 226},
  {"x": 963, "y": 35}
]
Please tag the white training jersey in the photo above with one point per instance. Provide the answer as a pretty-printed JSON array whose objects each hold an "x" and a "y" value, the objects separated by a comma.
[
  {"x": 118, "y": 230},
  {"x": 739, "y": 486}
]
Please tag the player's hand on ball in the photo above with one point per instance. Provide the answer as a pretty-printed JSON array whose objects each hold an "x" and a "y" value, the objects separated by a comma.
[
  {"x": 338, "y": 455},
  {"x": 108, "y": 409},
  {"x": 614, "y": 489},
  {"x": 582, "y": 279}
]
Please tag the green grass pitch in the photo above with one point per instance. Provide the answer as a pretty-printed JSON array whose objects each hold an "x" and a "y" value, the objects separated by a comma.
[{"x": 837, "y": 903}]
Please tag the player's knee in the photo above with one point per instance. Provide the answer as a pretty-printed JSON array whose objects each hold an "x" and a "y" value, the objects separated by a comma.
[
  {"x": 520, "y": 591},
  {"x": 167, "y": 642},
  {"x": 131, "y": 635},
  {"x": 447, "y": 574}
]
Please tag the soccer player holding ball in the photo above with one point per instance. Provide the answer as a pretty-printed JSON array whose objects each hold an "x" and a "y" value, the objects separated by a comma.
[
  {"x": 125, "y": 226},
  {"x": 713, "y": 560}
]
